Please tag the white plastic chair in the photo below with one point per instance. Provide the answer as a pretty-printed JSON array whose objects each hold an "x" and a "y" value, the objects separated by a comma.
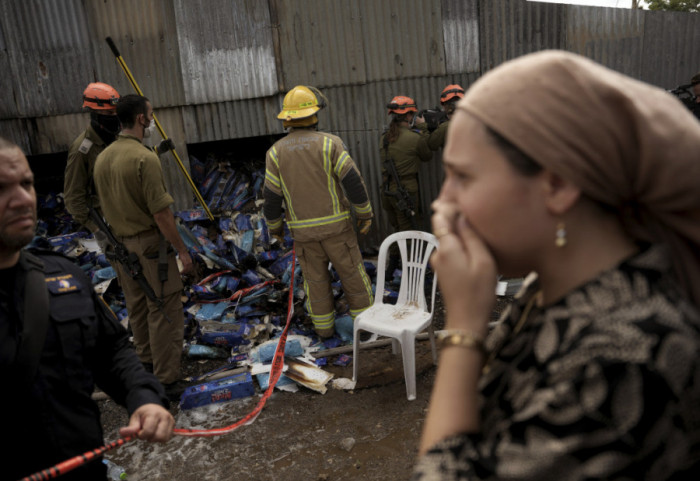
[{"x": 410, "y": 315}]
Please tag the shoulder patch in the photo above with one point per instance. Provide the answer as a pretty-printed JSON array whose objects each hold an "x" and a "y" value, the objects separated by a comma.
[
  {"x": 85, "y": 146},
  {"x": 62, "y": 284}
]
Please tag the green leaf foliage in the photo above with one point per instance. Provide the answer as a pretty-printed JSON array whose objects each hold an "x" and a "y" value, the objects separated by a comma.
[{"x": 675, "y": 5}]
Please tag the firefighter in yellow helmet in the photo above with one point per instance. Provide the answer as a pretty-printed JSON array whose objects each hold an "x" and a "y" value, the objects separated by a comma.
[
  {"x": 79, "y": 193},
  {"x": 448, "y": 100},
  {"x": 313, "y": 175}
]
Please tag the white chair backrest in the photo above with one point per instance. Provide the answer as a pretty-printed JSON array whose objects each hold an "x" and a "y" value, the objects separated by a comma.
[{"x": 415, "y": 248}]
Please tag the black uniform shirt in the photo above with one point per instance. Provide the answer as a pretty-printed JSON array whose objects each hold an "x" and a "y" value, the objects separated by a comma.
[
  {"x": 9, "y": 320},
  {"x": 54, "y": 418}
]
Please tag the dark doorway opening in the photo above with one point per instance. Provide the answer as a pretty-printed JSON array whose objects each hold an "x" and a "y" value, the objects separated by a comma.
[{"x": 48, "y": 172}]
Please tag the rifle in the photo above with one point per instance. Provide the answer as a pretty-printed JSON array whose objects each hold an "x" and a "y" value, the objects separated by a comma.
[
  {"x": 433, "y": 117},
  {"x": 403, "y": 198},
  {"x": 129, "y": 260}
]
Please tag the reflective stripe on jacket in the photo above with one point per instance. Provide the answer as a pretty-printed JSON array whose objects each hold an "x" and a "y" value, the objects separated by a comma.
[{"x": 305, "y": 168}]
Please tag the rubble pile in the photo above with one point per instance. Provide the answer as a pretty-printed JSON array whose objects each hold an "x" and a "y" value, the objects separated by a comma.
[{"x": 236, "y": 306}]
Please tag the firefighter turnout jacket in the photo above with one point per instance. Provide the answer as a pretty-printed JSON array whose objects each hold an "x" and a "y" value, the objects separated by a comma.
[{"x": 313, "y": 173}]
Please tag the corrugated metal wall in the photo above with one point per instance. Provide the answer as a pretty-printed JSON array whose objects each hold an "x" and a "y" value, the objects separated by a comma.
[{"x": 218, "y": 69}]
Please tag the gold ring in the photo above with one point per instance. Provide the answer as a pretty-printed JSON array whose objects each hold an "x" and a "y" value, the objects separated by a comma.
[{"x": 441, "y": 232}]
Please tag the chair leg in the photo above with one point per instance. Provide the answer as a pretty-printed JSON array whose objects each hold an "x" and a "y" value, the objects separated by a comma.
[
  {"x": 431, "y": 336},
  {"x": 355, "y": 351},
  {"x": 395, "y": 346},
  {"x": 408, "y": 348}
]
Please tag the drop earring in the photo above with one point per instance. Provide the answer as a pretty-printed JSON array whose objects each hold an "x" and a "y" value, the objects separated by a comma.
[{"x": 560, "y": 240}]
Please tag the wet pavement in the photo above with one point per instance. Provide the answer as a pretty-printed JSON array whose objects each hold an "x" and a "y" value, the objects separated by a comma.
[{"x": 369, "y": 433}]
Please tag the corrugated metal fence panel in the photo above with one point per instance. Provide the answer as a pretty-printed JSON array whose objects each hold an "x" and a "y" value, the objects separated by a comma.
[
  {"x": 145, "y": 33},
  {"x": 56, "y": 133},
  {"x": 511, "y": 28},
  {"x": 671, "y": 48},
  {"x": 460, "y": 32},
  {"x": 17, "y": 130},
  {"x": 341, "y": 42},
  {"x": 8, "y": 105},
  {"x": 173, "y": 176},
  {"x": 358, "y": 115},
  {"x": 321, "y": 42},
  {"x": 403, "y": 38},
  {"x": 226, "y": 49},
  {"x": 610, "y": 36},
  {"x": 232, "y": 120},
  {"x": 48, "y": 56}
]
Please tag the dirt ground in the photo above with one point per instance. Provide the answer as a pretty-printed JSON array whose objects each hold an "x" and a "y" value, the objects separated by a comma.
[{"x": 369, "y": 433}]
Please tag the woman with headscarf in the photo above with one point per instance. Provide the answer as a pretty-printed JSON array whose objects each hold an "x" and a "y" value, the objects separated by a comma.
[{"x": 589, "y": 181}]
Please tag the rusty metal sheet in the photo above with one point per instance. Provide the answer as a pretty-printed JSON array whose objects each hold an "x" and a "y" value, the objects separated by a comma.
[{"x": 226, "y": 49}]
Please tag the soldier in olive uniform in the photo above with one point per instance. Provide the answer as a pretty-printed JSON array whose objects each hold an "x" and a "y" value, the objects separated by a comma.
[
  {"x": 448, "y": 99},
  {"x": 78, "y": 190},
  {"x": 79, "y": 194},
  {"x": 407, "y": 147},
  {"x": 129, "y": 182}
]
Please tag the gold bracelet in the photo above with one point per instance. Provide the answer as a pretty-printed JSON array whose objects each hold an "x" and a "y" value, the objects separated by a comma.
[{"x": 461, "y": 338}]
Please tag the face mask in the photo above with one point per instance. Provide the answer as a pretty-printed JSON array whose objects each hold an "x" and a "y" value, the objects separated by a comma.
[
  {"x": 148, "y": 131},
  {"x": 106, "y": 123}
]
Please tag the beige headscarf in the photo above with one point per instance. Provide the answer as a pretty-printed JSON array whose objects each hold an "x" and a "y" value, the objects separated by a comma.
[{"x": 623, "y": 142}]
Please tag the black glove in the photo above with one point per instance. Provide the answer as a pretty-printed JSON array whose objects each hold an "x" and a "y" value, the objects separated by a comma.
[{"x": 164, "y": 146}]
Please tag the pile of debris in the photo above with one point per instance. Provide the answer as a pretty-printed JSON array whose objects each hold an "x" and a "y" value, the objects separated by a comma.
[{"x": 238, "y": 306}]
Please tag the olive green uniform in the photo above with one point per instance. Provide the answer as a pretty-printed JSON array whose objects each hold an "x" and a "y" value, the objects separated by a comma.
[
  {"x": 129, "y": 180},
  {"x": 438, "y": 137},
  {"x": 319, "y": 183},
  {"x": 78, "y": 192},
  {"x": 408, "y": 151}
]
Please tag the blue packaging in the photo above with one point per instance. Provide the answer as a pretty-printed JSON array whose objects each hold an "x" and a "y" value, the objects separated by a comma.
[
  {"x": 266, "y": 351},
  {"x": 104, "y": 274},
  {"x": 267, "y": 256},
  {"x": 343, "y": 360},
  {"x": 224, "y": 334},
  {"x": 211, "y": 311},
  {"x": 251, "y": 277},
  {"x": 190, "y": 215},
  {"x": 243, "y": 222},
  {"x": 264, "y": 380},
  {"x": 210, "y": 352},
  {"x": 218, "y": 391},
  {"x": 344, "y": 327}
]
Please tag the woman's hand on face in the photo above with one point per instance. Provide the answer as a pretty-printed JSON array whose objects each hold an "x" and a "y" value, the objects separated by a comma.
[{"x": 466, "y": 270}]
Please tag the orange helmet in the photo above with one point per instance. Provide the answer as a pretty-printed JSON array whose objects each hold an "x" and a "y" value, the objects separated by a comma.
[
  {"x": 100, "y": 96},
  {"x": 450, "y": 92},
  {"x": 401, "y": 105}
]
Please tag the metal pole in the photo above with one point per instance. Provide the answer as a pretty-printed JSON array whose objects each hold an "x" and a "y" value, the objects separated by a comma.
[{"x": 160, "y": 129}]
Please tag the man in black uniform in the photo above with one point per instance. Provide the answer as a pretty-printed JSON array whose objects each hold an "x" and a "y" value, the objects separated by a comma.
[{"x": 57, "y": 340}]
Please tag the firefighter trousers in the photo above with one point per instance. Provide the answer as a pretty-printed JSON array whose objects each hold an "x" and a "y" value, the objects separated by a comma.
[{"x": 343, "y": 252}]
